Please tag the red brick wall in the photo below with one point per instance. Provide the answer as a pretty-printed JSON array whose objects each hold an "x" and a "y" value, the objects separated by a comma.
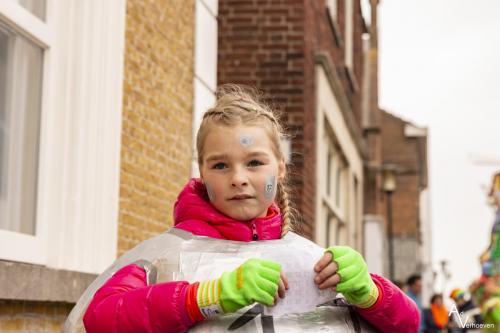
[
  {"x": 358, "y": 61},
  {"x": 404, "y": 152},
  {"x": 319, "y": 37},
  {"x": 272, "y": 45},
  {"x": 261, "y": 43}
]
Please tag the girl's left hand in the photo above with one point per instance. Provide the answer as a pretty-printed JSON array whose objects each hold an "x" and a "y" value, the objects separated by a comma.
[{"x": 326, "y": 272}]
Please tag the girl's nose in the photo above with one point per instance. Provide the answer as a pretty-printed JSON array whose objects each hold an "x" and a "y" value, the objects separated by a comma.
[{"x": 239, "y": 179}]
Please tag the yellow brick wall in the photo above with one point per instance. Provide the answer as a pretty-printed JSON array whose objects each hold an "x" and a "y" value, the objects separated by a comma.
[
  {"x": 23, "y": 316},
  {"x": 157, "y": 115}
]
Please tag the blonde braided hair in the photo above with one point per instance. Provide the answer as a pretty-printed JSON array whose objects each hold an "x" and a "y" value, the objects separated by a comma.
[
  {"x": 286, "y": 210},
  {"x": 238, "y": 105}
]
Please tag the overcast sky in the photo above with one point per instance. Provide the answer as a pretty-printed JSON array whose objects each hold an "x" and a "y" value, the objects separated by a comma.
[{"x": 440, "y": 68}]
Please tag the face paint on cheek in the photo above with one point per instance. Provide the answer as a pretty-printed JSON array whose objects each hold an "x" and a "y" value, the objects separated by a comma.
[
  {"x": 210, "y": 192},
  {"x": 246, "y": 140},
  {"x": 270, "y": 188}
]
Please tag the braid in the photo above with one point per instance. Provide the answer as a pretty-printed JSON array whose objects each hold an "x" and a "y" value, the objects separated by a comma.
[{"x": 284, "y": 206}]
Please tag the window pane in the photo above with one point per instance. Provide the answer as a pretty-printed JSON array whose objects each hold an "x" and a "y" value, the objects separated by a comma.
[
  {"x": 20, "y": 99},
  {"x": 329, "y": 228},
  {"x": 36, "y": 7},
  {"x": 340, "y": 233},
  {"x": 338, "y": 185},
  {"x": 329, "y": 172}
]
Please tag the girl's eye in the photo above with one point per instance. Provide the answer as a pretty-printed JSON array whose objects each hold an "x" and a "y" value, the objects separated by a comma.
[
  {"x": 219, "y": 166},
  {"x": 254, "y": 163}
]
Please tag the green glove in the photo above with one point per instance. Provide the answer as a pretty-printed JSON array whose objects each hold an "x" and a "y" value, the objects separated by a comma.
[
  {"x": 355, "y": 283},
  {"x": 256, "y": 280}
]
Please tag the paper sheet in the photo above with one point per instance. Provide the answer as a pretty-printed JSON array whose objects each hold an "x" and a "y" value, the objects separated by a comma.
[
  {"x": 297, "y": 257},
  {"x": 303, "y": 294}
]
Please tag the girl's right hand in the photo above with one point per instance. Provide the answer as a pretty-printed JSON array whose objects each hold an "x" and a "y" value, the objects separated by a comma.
[{"x": 282, "y": 287}]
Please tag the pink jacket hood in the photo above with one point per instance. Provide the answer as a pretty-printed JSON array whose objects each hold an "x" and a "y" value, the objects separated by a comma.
[{"x": 194, "y": 213}]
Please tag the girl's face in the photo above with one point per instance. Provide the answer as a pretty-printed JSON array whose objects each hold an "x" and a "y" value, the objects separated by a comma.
[{"x": 240, "y": 171}]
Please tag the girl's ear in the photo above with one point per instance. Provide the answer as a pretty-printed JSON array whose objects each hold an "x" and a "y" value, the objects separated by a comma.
[{"x": 281, "y": 169}]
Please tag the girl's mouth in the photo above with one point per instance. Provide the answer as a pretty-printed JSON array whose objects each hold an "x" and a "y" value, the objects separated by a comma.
[{"x": 241, "y": 197}]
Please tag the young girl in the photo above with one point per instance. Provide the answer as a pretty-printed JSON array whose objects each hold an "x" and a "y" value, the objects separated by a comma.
[{"x": 240, "y": 196}]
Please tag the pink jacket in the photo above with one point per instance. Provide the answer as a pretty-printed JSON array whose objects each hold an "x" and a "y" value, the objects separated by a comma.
[{"x": 125, "y": 303}]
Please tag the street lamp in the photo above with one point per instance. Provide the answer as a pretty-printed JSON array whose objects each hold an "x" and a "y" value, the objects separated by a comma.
[{"x": 389, "y": 186}]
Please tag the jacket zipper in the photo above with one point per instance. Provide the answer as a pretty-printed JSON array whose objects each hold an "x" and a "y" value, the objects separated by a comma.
[{"x": 254, "y": 232}]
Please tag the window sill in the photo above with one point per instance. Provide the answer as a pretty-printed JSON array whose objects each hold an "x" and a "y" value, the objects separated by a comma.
[{"x": 29, "y": 282}]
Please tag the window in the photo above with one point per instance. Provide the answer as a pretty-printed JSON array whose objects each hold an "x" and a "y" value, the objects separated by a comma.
[
  {"x": 335, "y": 190},
  {"x": 332, "y": 9},
  {"x": 61, "y": 84},
  {"x": 349, "y": 35},
  {"x": 21, "y": 63},
  {"x": 335, "y": 173},
  {"x": 338, "y": 184},
  {"x": 205, "y": 76},
  {"x": 24, "y": 40},
  {"x": 328, "y": 175},
  {"x": 339, "y": 168},
  {"x": 336, "y": 231},
  {"x": 35, "y": 7},
  {"x": 332, "y": 15}
]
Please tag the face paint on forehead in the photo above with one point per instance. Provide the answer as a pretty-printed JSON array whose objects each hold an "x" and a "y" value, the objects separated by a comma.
[
  {"x": 246, "y": 140},
  {"x": 210, "y": 192},
  {"x": 270, "y": 187}
]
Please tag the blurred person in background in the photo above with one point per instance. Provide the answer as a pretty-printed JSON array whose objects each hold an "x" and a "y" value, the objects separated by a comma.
[
  {"x": 414, "y": 291},
  {"x": 435, "y": 317},
  {"x": 469, "y": 312}
]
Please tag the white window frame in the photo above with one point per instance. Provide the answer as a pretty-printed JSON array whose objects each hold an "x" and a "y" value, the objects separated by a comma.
[
  {"x": 205, "y": 71},
  {"x": 80, "y": 134},
  {"x": 349, "y": 34},
  {"x": 334, "y": 135},
  {"x": 14, "y": 245},
  {"x": 332, "y": 6},
  {"x": 336, "y": 175},
  {"x": 335, "y": 200}
]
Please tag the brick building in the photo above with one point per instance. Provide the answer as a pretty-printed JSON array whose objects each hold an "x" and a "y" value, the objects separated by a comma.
[
  {"x": 307, "y": 58},
  {"x": 403, "y": 152},
  {"x": 405, "y": 148},
  {"x": 92, "y": 163},
  {"x": 408, "y": 153},
  {"x": 399, "y": 147}
]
